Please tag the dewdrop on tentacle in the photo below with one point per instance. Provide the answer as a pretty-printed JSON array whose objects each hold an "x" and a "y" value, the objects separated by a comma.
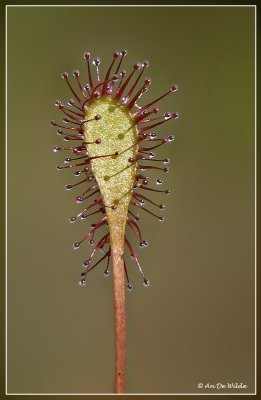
[{"x": 112, "y": 140}]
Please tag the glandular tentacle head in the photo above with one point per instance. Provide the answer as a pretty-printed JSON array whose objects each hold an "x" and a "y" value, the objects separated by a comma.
[{"x": 111, "y": 139}]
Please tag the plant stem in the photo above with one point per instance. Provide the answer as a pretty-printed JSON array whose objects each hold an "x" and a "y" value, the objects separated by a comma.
[{"x": 117, "y": 248}]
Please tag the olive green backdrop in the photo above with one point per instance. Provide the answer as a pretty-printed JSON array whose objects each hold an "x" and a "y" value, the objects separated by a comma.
[{"x": 196, "y": 321}]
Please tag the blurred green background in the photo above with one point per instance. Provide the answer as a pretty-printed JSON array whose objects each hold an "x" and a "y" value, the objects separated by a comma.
[{"x": 196, "y": 321}]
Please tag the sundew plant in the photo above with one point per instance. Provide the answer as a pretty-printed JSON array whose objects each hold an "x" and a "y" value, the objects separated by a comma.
[{"x": 112, "y": 140}]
